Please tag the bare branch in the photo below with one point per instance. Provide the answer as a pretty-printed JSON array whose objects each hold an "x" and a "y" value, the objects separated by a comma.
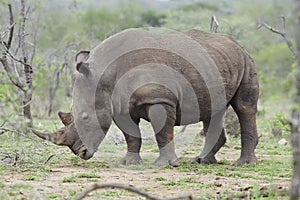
[
  {"x": 127, "y": 187},
  {"x": 281, "y": 33},
  {"x": 9, "y": 73},
  {"x": 11, "y": 31},
  {"x": 3, "y": 130},
  {"x": 13, "y": 57},
  {"x": 283, "y": 22},
  {"x": 274, "y": 30}
]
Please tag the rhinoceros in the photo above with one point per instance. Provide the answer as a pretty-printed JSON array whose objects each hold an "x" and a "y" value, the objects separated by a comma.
[{"x": 168, "y": 79}]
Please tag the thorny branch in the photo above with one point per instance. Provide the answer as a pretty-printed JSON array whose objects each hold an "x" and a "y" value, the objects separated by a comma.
[
  {"x": 127, "y": 187},
  {"x": 282, "y": 33}
]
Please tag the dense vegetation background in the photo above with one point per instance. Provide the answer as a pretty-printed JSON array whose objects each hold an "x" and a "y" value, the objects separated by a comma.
[{"x": 58, "y": 29}]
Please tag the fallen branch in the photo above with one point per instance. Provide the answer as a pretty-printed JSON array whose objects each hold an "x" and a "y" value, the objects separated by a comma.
[
  {"x": 127, "y": 187},
  {"x": 3, "y": 130},
  {"x": 48, "y": 159}
]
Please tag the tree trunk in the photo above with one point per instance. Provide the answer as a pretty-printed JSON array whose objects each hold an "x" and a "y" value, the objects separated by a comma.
[
  {"x": 295, "y": 122},
  {"x": 53, "y": 87},
  {"x": 27, "y": 107}
]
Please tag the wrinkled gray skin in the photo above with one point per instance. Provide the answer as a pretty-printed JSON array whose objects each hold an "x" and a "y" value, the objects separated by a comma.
[{"x": 94, "y": 107}]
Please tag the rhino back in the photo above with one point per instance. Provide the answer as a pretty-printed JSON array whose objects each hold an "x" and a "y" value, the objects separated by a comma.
[{"x": 193, "y": 55}]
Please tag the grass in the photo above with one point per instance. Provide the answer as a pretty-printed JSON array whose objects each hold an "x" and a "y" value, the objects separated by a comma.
[
  {"x": 265, "y": 170},
  {"x": 54, "y": 196},
  {"x": 25, "y": 158},
  {"x": 189, "y": 182},
  {"x": 76, "y": 177}
]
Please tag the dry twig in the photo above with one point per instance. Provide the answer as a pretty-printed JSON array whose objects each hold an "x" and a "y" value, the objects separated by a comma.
[
  {"x": 282, "y": 33},
  {"x": 127, "y": 187},
  {"x": 48, "y": 159}
]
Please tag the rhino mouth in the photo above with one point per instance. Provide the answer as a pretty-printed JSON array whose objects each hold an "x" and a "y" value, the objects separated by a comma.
[{"x": 83, "y": 153}]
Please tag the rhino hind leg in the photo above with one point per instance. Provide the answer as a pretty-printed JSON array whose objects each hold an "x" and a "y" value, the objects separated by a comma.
[
  {"x": 217, "y": 129},
  {"x": 245, "y": 105},
  {"x": 249, "y": 138},
  {"x": 162, "y": 118}
]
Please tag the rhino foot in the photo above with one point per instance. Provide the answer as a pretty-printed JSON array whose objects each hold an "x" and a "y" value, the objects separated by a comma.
[
  {"x": 165, "y": 160},
  {"x": 244, "y": 161},
  {"x": 206, "y": 160},
  {"x": 131, "y": 159}
]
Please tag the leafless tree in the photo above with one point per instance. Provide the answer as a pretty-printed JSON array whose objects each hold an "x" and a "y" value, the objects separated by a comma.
[
  {"x": 59, "y": 66},
  {"x": 17, "y": 47}
]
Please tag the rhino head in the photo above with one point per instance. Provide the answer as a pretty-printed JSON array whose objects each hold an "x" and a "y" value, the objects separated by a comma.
[
  {"x": 90, "y": 119},
  {"x": 66, "y": 136}
]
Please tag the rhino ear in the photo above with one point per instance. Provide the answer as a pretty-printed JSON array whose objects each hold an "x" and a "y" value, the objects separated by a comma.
[
  {"x": 83, "y": 68},
  {"x": 66, "y": 118},
  {"x": 82, "y": 56}
]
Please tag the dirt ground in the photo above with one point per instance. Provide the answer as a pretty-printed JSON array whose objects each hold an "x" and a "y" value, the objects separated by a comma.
[
  {"x": 145, "y": 179},
  {"x": 162, "y": 182}
]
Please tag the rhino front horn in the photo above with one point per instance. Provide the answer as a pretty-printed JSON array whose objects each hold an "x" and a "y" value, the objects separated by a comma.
[{"x": 52, "y": 137}]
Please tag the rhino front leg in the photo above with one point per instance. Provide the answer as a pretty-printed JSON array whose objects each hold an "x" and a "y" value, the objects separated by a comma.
[
  {"x": 132, "y": 156},
  {"x": 132, "y": 134},
  {"x": 162, "y": 118}
]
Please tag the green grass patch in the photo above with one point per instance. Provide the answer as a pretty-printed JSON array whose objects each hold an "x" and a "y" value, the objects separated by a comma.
[
  {"x": 111, "y": 194},
  {"x": 15, "y": 189},
  {"x": 72, "y": 192},
  {"x": 143, "y": 166},
  {"x": 69, "y": 179},
  {"x": 18, "y": 186},
  {"x": 265, "y": 170},
  {"x": 54, "y": 196},
  {"x": 74, "y": 178},
  {"x": 188, "y": 182},
  {"x": 160, "y": 179}
]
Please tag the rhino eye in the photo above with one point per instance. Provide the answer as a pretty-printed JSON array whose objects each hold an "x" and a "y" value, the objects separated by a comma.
[{"x": 84, "y": 116}]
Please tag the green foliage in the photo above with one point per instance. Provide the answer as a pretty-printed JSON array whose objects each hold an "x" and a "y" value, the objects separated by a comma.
[
  {"x": 153, "y": 19},
  {"x": 198, "y": 6},
  {"x": 64, "y": 29},
  {"x": 105, "y": 22},
  {"x": 4, "y": 2},
  {"x": 280, "y": 122}
]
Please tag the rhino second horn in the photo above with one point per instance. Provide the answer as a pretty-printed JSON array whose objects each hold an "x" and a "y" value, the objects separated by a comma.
[{"x": 66, "y": 118}]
